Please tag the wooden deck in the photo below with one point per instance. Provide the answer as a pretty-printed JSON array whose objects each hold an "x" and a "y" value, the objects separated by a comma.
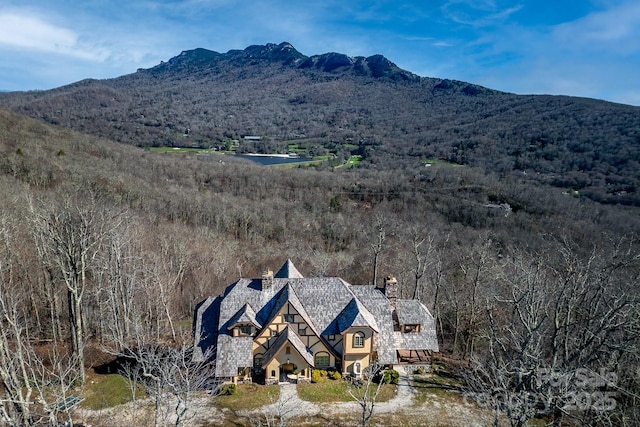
[{"x": 414, "y": 357}]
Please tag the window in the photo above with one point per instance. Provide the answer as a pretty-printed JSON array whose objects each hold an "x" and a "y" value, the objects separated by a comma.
[
  {"x": 257, "y": 361},
  {"x": 245, "y": 329},
  {"x": 288, "y": 318},
  {"x": 322, "y": 360},
  {"x": 288, "y": 350},
  {"x": 332, "y": 337},
  {"x": 358, "y": 339},
  {"x": 274, "y": 333},
  {"x": 302, "y": 331}
]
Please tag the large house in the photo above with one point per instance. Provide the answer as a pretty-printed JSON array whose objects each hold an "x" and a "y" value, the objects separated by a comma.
[{"x": 282, "y": 326}]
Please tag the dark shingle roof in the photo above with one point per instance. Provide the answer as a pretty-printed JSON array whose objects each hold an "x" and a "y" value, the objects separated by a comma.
[
  {"x": 410, "y": 312},
  {"x": 233, "y": 353},
  {"x": 356, "y": 315},
  {"x": 381, "y": 310},
  {"x": 245, "y": 315},
  {"x": 413, "y": 312},
  {"x": 207, "y": 314}
]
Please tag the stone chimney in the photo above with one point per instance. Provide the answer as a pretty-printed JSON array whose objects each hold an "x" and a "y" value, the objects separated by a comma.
[
  {"x": 267, "y": 279},
  {"x": 391, "y": 289}
]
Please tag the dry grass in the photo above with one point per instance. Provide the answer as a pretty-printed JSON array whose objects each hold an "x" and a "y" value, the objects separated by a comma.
[
  {"x": 248, "y": 397},
  {"x": 327, "y": 391}
]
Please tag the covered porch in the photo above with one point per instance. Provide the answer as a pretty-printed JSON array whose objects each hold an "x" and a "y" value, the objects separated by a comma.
[{"x": 288, "y": 360}]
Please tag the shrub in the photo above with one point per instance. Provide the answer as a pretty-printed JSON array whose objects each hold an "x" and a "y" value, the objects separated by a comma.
[
  {"x": 315, "y": 376},
  {"x": 227, "y": 390},
  {"x": 389, "y": 376},
  {"x": 392, "y": 375},
  {"x": 419, "y": 371},
  {"x": 335, "y": 375}
]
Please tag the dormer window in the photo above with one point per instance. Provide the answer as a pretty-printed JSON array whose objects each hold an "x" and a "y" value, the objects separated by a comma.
[
  {"x": 246, "y": 329},
  {"x": 358, "y": 339},
  {"x": 411, "y": 328}
]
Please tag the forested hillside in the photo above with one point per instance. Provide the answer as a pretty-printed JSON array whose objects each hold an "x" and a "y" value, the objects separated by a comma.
[
  {"x": 106, "y": 245},
  {"x": 339, "y": 105}
]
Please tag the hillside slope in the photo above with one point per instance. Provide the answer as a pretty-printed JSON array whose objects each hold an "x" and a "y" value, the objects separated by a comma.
[
  {"x": 191, "y": 225},
  {"x": 339, "y": 104}
]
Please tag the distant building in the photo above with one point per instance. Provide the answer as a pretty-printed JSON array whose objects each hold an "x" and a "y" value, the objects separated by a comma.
[{"x": 282, "y": 326}]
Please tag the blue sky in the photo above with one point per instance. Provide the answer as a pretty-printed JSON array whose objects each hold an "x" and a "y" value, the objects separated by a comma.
[{"x": 570, "y": 47}]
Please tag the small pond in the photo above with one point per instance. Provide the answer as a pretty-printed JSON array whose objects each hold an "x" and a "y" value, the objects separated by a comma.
[{"x": 267, "y": 160}]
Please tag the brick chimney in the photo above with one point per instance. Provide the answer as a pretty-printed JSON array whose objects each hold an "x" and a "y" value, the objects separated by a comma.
[
  {"x": 267, "y": 279},
  {"x": 391, "y": 290}
]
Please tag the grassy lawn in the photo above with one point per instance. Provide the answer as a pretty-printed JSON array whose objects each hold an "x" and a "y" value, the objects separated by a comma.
[
  {"x": 295, "y": 148},
  {"x": 429, "y": 385},
  {"x": 106, "y": 391},
  {"x": 328, "y": 390},
  {"x": 354, "y": 161},
  {"x": 248, "y": 396}
]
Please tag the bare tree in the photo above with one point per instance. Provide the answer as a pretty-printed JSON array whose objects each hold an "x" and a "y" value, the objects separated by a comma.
[
  {"x": 474, "y": 272},
  {"x": 71, "y": 230},
  {"x": 31, "y": 385},
  {"x": 169, "y": 374},
  {"x": 118, "y": 275},
  {"x": 376, "y": 242},
  {"x": 365, "y": 392},
  {"x": 555, "y": 335},
  {"x": 278, "y": 413}
]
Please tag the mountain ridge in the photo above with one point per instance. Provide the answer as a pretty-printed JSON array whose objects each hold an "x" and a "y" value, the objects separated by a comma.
[
  {"x": 337, "y": 105},
  {"x": 376, "y": 66}
]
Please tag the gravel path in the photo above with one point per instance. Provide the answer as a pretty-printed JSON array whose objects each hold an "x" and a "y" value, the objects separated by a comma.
[{"x": 290, "y": 404}]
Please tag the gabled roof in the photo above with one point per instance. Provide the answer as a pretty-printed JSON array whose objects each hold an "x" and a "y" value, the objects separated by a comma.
[
  {"x": 288, "y": 271},
  {"x": 413, "y": 312},
  {"x": 205, "y": 331},
  {"x": 288, "y": 336},
  {"x": 328, "y": 305},
  {"x": 243, "y": 316},
  {"x": 288, "y": 295},
  {"x": 379, "y": 306},
  {"x": 356, "y": 315}
]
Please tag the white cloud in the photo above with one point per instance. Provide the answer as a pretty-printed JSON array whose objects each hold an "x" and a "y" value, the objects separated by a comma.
[
  {"x": 477, "y": 13},
  {"x": 20, "y": 30},
  {"x": 615, "y": 30}
]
